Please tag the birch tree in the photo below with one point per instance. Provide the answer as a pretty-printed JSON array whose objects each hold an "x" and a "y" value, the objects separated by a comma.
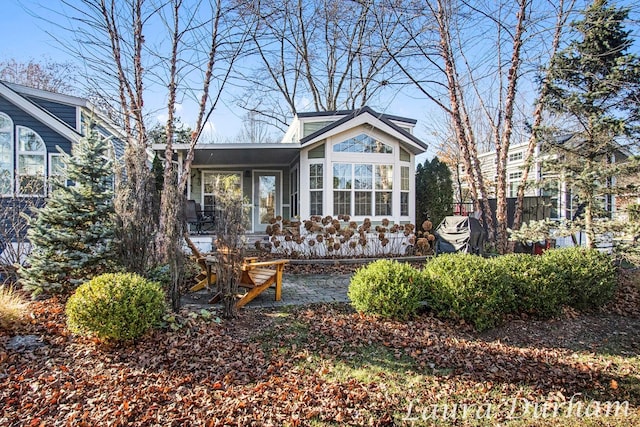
[
  {"x": 189, "y": 48},
  {"x": 467, "y": 58}
]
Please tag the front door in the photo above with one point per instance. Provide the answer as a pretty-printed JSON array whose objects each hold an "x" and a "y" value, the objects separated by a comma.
[{"x": 266, "y": 199}]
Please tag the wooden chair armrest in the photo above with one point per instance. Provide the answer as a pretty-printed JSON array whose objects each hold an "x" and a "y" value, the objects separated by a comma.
[{"x": 279, "y": 262}]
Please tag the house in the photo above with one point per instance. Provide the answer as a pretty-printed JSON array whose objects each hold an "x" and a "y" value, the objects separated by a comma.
[
  {"x": 555, "y": 194},
  {"x": 34, "y": 123},
  {"x": 359, "y": 163}
]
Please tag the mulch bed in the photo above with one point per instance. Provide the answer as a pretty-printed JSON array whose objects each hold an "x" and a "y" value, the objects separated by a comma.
[{"x": 265, "y": 369}]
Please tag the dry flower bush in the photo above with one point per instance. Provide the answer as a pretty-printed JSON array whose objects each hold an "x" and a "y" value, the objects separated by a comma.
[
  {"x": 12, "y": 307},
  {"x": 340, "y": 237}
]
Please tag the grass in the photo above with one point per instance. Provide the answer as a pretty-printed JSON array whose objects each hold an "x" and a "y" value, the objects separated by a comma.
[
  {"x": 429, "y": 395},
  {"x": 12, "y": 307}
]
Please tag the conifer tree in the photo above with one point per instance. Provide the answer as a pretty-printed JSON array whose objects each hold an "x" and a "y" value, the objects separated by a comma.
[
  {"x": 72, "y": 235},
  {"x": 434, "y": 192},
  {"x": 593, "y": 92}
]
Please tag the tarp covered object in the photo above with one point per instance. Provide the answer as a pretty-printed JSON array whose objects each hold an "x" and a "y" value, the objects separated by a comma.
[{"x": 459, "y": 234}]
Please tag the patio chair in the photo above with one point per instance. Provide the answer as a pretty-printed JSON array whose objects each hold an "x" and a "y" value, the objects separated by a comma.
[{"x": 192, "y": 216}]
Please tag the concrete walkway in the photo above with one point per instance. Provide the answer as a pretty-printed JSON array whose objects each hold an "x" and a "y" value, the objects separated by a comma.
[{"x": 297, "y": 289}]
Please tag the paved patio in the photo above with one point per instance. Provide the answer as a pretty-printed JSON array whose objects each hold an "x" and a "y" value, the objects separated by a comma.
[{"x": 297, "y": 289}]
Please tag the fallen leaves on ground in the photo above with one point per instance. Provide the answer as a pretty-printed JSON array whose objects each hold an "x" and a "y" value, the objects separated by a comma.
[{"x": 313, "y": 365}]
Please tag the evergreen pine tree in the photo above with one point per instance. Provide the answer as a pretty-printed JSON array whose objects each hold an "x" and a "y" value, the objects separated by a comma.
[
  {"x": 434, "y": 192},
  {"x": 593, "y": 91},
  {"x": 72, "y": 235}
]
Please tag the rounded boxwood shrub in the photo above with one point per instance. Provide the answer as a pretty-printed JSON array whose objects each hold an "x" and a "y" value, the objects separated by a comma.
[
  {"x": 115, "y": 306},
  {"x": 469, "y": 287},
  {"x": 588, "y": 274},
  {"x": 387, "y": 288},
  {"x": 538, "y": 286}
]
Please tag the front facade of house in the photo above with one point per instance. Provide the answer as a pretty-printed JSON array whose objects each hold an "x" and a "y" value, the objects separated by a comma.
[
  {"x": 359, "y": 163},
  {"x": 34, "y": 124}
]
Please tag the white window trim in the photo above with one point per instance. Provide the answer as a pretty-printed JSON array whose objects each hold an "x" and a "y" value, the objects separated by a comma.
[
  {"x": 12, "y": 144},
  {"x": 19, "y": 152}
]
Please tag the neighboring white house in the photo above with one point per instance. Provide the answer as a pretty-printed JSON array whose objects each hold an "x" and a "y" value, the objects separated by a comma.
[
  {"x": 561, "y": 203},
  {"x": 359, "y": 163}
]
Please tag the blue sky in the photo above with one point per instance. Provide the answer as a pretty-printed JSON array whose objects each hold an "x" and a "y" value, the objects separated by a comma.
[{"x": 25, "y": 37}]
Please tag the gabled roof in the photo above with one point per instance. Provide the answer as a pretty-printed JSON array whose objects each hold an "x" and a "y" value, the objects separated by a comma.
[
  {"x": 365, "y": 115},
  {"x": 60, "y": 98},
  {"x": 39, "y": 113}
]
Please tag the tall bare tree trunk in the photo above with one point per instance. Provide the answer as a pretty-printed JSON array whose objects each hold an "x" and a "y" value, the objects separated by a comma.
[{"x": 561, "y": 20}]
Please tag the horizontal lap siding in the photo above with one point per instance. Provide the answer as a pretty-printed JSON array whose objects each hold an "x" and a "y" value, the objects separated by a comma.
[
  {"x": 64, "y": 112},
  {"x": 20, "y": 118}
]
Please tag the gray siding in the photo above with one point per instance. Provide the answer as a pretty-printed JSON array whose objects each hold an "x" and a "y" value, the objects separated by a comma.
[
  {"x": 20, "y": 118},
  {"x": 66, "y": 113}
]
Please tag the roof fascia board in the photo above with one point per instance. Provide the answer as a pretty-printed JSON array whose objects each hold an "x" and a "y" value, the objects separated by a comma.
[
  {"x": 39, "y": 113},
  {"x": 366, "y": 118},
  {"x": 51, "y": 96}
]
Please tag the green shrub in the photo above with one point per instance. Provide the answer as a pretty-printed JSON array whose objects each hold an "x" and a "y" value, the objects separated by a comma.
[
  {"x": 589, "y": 275},
  {"x": 468, "y": 287},
  {"x": 538, "y": 287},
  {"x": 115, "y": 306},
  {"x": 387, "y": 288}
]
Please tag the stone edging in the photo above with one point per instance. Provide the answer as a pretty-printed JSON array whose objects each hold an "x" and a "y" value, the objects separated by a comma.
[{"x": 338, "y": 261}]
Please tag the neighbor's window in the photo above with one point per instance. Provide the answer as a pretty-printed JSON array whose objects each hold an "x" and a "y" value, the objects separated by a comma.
[
  {"x": 31, "y": 162},
  {"x": 6, "y": 154},
  {"x": 362, "y": 144},
  {"x": 515, "y": 156},
  {"x": 316, "y": 179}
]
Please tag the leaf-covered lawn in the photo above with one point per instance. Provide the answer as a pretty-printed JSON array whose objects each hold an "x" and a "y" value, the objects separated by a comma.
[{"x": 326, "y": 365}]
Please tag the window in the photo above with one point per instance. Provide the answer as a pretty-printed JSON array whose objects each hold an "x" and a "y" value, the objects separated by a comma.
[
  {"x": 218, "y": 181},
  {"x": 57, "y": 171},
  {"x": 31, "y": 162},
  {"x": 316, "y": 184},
  {"x": 6, "y": 154},
  {"x": 362, "y": 189},
  {"x": 293, "y": 182},
  {"x": 404, "y": 155},
  {"x": 513, "y": 157},
  {"x": 404, "y": 190},
  {"x": 317, "y": 153},
  {"x": 515, "y": 175},
  {"x": 362, "y": 144}
]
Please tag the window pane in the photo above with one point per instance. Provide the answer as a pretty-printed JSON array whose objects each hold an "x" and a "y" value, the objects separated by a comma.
[
  {"x": 28, "y": 140},
  {"x": 404, "y": 203},
  {"x": 363, "y": 202},
  {"x": 383, "y": 203},
  {"x": 341, "y": 203},
  {"x": 6, "y": 162},
  {"x": 31, "y": 184},
  {"x": 384, "y": 177},
  {"x": 316, "y": 203},
  {"x": 404, "y": 178},
  {"x": 342, "y": 176},
  {"x": 315, "y": 176},
  {"x": 363, "y": 177},
  {"x": 362, "y": 144}
]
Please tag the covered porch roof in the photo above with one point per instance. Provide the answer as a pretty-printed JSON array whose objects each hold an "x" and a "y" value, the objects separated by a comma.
[{"x": 278, "y": 154}]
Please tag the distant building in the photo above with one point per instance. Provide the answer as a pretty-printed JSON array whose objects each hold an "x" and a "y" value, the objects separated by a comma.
[{"x": 34, "y": 124}]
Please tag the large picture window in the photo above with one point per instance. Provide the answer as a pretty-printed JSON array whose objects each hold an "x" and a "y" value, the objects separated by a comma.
[
  {"x": 362, "y": 189},
  {"x": 31, "y": 162},
  {"x": 6, "y": 154},
  {"x": 362, "y": 144}
]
